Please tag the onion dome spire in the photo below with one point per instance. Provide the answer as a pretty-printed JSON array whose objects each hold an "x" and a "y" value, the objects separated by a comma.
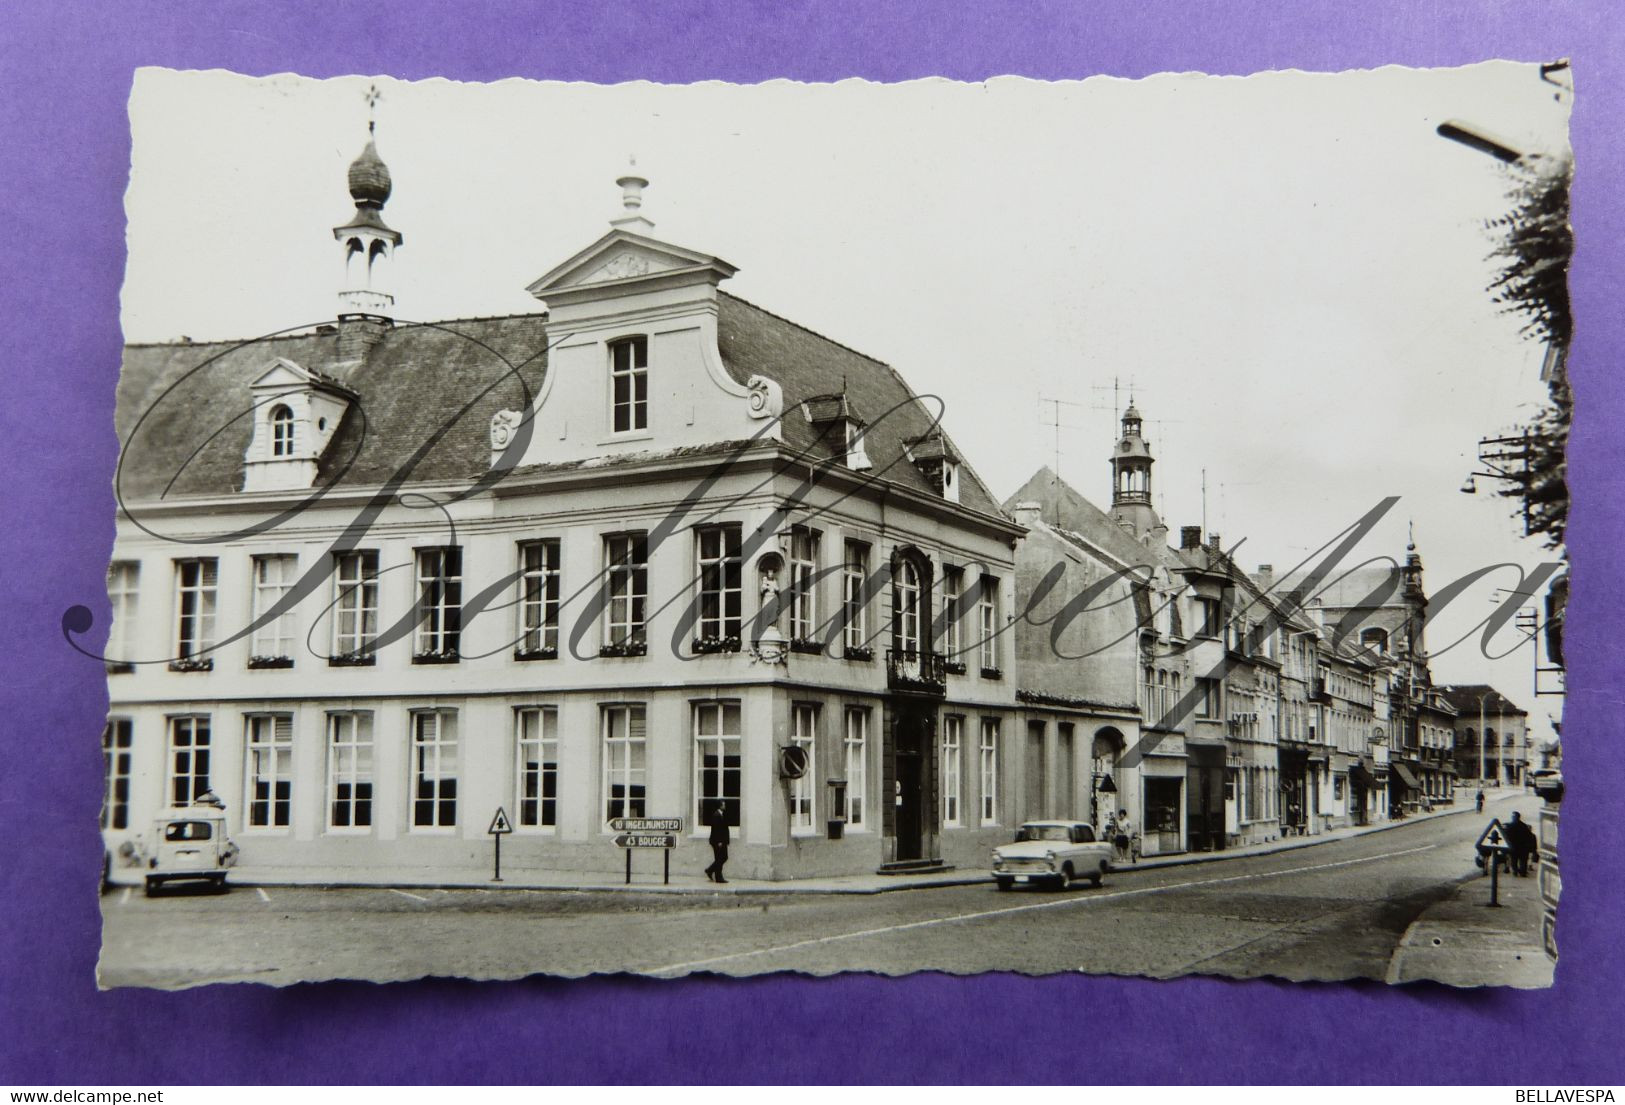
[{"x": 366, "y": 242}]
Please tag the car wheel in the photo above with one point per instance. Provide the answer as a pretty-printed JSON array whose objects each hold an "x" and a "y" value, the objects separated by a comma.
[
  {"x": 1003, "y": 884},
  {"x": 107, "y": 871},
  {"x": 1097, "y": 875},
  {"x": 153, "y": 882},
  {"x": 219, "y": 882}
]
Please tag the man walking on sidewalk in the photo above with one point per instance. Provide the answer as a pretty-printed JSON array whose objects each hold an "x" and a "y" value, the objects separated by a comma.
[{"x": 717, "y": 818}]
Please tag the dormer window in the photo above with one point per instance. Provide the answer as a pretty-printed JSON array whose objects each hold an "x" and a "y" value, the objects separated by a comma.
[
  {"x": 938, "y": 463},
  {"x": 629, "y": 385},
  {"x": 281, "y": 431},
  {"x": 839, "y": 426},
  {"x": 856, "y": 458},
  {"x": 296, "y": 412}
]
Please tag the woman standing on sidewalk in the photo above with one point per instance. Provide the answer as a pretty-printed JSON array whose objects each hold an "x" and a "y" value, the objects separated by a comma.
[{"x": 1120, "y": 840}]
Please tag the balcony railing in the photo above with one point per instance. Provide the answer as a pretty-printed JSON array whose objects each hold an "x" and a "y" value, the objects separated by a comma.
[{"x": 919, "y": 672}]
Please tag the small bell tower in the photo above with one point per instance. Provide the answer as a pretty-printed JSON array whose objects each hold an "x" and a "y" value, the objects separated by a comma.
[
  {"x": 1131, "y": 478},
  {"x": 366, "y": 244}
]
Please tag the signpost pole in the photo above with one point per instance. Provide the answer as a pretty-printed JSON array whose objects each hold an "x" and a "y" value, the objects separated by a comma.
[
  {"x": 629, "y": 867},
  {"x": 1495, "y": 878},
  {"x": 665, "y": 878},
  {"x": 500, "y": 827}
]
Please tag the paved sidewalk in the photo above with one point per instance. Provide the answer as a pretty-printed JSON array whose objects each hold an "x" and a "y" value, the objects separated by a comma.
[
  {"x": 1463, "y": 941},
  {"x": 644, "y": 882}
]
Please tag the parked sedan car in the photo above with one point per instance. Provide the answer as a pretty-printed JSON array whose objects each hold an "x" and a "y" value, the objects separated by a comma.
[{"x": 1053, "y": 853}]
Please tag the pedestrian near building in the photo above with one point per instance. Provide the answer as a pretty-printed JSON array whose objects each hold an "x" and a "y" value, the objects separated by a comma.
[
  {"x": 1480, "y": 800},
  {"x": 1521, "y": 840},
  {"x": 717, "y": 819},
  {"x": 1122, "y": 837}
]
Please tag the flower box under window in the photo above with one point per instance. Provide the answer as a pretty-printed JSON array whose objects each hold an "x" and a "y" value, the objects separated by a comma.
[
  {"x": 119, "y": 667},
  {"x": 706, "y": 646},
  {"x": 859, "y": 652},
  {"x": 192, "y": 663},
  {"x": 625, "y": 648},
  {"x": 352, "y": 660},
  {"x": 436, "y": 656},
  {"x": 954, "y": 667},
  {"x": 807, "y": 645},
  {"x": 547, "y": 653},
  {"x": 258, "y": 662},
  {"x": 992, "y": 673}
]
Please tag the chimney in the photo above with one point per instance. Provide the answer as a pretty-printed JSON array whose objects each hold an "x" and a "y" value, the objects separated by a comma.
[
  {"x": 358, "y": 334},
  {"x": 1028, "y": 512},
  {"x": 1213, "y": 542},
  {"x": 1190, "y": 537},
  {"x": 1265, "y": 576}
]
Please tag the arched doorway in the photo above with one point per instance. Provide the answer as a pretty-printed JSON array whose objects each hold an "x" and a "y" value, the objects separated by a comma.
[{"x": 1105, "y": 788}]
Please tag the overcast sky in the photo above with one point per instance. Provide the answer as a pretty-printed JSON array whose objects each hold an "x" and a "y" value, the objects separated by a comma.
[{"x": 1289, "y": 267}]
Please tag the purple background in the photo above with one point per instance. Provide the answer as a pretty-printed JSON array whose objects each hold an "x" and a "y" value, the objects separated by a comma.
[{"x": 66, "y": 77}]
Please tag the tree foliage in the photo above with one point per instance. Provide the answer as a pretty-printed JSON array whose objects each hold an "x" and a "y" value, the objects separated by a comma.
[{"x": 1535, "y": 243}]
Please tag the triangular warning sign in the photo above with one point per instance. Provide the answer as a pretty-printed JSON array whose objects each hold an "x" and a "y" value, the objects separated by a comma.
[
  {"x": 1493, "y": 836},
  {"x": 499, "y": 823}
]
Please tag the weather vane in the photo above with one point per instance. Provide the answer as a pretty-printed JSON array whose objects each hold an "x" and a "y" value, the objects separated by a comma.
[{"x": 372, "y": 97}]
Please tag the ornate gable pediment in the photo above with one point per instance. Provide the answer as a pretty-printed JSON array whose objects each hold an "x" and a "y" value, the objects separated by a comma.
[
  {"x": 283, "y": 373},
  {"x": 621, "y": 255}
]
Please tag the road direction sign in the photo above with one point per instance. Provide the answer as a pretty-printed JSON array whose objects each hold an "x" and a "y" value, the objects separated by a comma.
[
  {"x": 646, "y": 824},
  {"x": 1494, "y": 836},
  {"x": 499, "y": 823},
  {"x": 646, "y": 840}
]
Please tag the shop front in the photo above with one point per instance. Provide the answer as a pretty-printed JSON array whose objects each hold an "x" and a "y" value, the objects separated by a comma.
[
  {"x": 1205, "y": 790},
  {"x": 1295, "y": 792},
  {"x": 1162, "y": 819},
  {"x": 1404, "y": 788}
]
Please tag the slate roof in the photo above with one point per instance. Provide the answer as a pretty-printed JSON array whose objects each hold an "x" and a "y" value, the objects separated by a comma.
[
  {"x": 197, "y": 423},
  {"x": 1083, "y": 523},
  {"x": 1464, "y": 697},
  {"x": 807, "y": 365},
  {"x": 196, "y": 400}
]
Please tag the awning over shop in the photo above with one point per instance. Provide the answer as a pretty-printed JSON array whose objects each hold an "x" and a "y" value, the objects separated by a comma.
[
  {"x": 1406, "y": 779},
  {"x": 1360, "y": 775}
]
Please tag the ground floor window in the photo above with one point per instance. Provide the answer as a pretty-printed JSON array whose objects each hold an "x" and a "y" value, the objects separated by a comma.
[
  {"x": 953, "y": 738},
  {"x": 988, "y": 753},
  {"x": 349, "y": 770},
  {"x": 268, "y": 739},
  {"x": 857, "y": 765},
  {"x": 116, "y": 742},
  {"x": 803, "y": 733},
  {"x": 625, "y": 766},
  {"x": 716, "y": 760},
  {"x": 188, "y": 759},
  {"x": 434, "y": 769},
  {"x": 537, "y": 740}
]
